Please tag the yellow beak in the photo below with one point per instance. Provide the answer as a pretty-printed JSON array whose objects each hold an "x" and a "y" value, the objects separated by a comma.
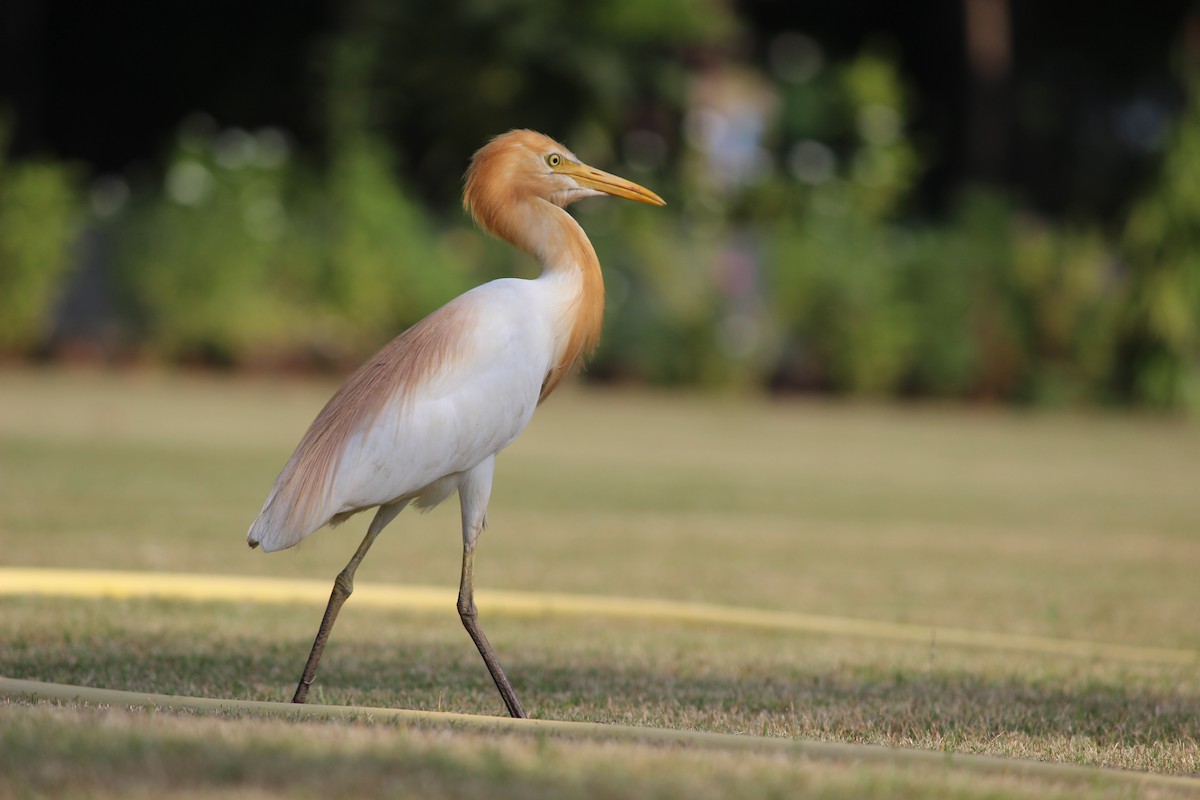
[{"x": 592, "y": 178}]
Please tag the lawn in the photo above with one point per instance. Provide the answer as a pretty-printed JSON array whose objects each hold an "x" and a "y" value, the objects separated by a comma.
[{"x": 1081, "y": 527}]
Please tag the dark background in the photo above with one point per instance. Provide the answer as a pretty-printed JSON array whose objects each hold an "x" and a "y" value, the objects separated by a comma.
[{"x": 1072, "y": 127}]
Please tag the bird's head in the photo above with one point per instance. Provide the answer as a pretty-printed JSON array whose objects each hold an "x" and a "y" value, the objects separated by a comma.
[{"x": 523, "y": 165}]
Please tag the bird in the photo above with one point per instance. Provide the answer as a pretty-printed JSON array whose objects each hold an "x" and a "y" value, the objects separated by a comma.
[{"x": 427, "y": 414}]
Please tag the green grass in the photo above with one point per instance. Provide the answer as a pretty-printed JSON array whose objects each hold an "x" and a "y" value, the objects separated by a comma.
[{"x": 1082, "y": 527}]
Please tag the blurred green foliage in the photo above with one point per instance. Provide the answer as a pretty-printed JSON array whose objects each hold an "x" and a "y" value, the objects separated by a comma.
[
  {"x": 200, "y": 262},
  {"x": 849, "y": 286},
  {"x": 438, "y": 77},
  {"x": 662, "y": 321},
  {"x": 990, "y": 303},
  {"x": 788, "y": 256},
  {"x": 1160, "y": 325},
  {"x": 38, "y": 214},
  {"x": 244, "y": 255}
]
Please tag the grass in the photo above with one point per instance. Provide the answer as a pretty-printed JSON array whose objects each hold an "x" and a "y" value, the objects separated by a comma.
[
  {"x": 1082, "y": 527},
  {"x": 322, "y": 760}
]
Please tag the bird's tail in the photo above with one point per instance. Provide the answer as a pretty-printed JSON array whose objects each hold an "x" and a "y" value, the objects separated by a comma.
[
  {"x": 270, "y": 532},
  {"x": 287, "y": 517}
]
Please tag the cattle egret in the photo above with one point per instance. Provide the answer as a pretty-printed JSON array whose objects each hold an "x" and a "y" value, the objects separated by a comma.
[{"x": 429, "y": 412}]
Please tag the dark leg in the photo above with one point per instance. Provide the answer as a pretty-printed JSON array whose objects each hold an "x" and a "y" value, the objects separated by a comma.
[
  {"x": 468, "y": 613},
  {"x": 343, "y": 586}
]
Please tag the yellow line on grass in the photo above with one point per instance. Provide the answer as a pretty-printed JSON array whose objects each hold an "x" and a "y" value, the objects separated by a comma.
[
  {"x": 229, "y": 588},
  {"x": 35, "y": 691}
]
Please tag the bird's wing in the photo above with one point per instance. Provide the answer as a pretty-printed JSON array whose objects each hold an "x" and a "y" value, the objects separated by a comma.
[{"x": 455, "y": 388}]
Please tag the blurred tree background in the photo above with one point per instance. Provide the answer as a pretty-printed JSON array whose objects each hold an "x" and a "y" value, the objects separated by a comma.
[{"x": 974, "y": 199}]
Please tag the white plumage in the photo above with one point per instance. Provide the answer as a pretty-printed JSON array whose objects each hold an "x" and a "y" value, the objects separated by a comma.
[
  {"x": 426, "y": 416},
  {"x": 468, "y": 409}
]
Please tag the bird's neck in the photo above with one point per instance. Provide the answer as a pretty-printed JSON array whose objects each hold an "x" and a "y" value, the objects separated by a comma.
[{"x": 567, "y": 257}]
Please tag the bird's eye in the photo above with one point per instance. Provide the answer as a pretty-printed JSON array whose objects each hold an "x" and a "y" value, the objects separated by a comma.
[{"x": 554, "y": 159}]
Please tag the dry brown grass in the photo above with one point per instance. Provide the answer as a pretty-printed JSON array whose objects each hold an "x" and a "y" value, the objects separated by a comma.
[{"x": 1069, "y": 526}]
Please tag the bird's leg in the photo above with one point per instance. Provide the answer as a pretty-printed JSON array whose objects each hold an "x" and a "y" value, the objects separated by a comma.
[
  {"x": 469, "y": 615},
  {"x": 473, "y": 494},
  {"x": 343, "y": 586}
]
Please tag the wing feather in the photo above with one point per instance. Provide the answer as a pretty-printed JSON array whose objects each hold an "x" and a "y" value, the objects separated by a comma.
[{"x": 436, "y": 400}]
